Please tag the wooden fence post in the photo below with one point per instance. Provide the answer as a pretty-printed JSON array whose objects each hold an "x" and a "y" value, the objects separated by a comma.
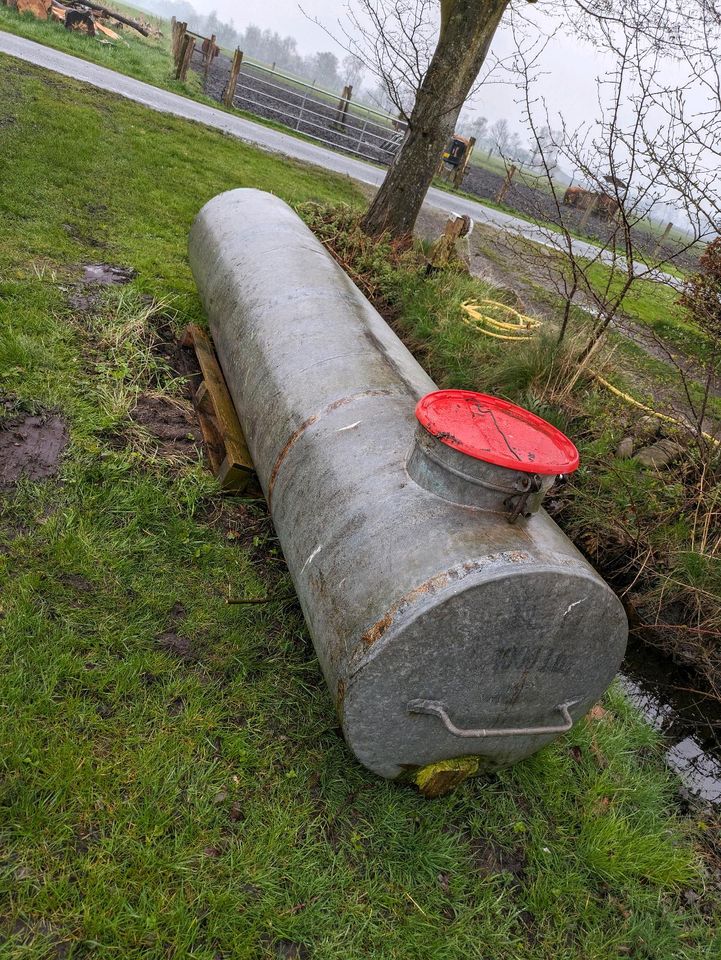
[
  {"x": 662, "y": 239},
  {"x": 182, "y": 44},
  {"x": 460, "y": 170},
  {"x": 506, "y": 185},
  {"x": 344, "y": 102},
  {"x": 186, "y": 53},
  {"x": 179, "y": 30},
  {"x": 589, "y": 210},
  {"x": 229, "y": 92},
  {"x": 208, "y": 53}
]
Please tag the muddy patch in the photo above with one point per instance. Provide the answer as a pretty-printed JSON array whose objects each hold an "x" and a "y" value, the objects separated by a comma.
[
  {"x": 107, "y": 274},
  {"x": 246, "y": 525},
  {"x": 491, "y": 860},
  {"x": 31, "y": 447},
  {"x": 96, "y": 276},
  {"x": 178, "y": 646},
  {"x": 76, "y": 582},
  {"x": 179, "y": 357},
  {"x": 171, "y": 424},
  {"x": 173, "y": 641}
]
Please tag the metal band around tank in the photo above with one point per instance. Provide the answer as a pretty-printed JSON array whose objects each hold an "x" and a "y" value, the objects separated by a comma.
[{"x": 476, "y": 481}]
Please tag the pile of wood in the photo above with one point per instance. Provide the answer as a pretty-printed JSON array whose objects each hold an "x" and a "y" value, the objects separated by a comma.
[{"x": 85, "y": 16}]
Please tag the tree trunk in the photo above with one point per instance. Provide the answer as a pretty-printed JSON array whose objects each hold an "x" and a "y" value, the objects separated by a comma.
[{"x": 467, "y": 28}]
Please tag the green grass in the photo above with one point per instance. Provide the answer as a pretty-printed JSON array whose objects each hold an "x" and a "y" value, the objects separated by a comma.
[
  {"x": 634, "y": 369},
  {"x": 201, "y": 803},
  {"x": 656, "y": 306},
  {"x": 142, "y": 58},
  {"x": 650, "y": 303}
]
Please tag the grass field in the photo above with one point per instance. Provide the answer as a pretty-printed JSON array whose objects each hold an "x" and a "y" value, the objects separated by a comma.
[
  {"x": 172, "y": 779},
  {"x": 656, "y": 306},
  {"x": 651, "y": 304}
]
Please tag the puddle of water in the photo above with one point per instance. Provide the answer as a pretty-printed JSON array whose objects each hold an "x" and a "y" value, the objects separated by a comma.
[
  {"x": 106, "y": 273},
  {"x": 689, "y": 720}
]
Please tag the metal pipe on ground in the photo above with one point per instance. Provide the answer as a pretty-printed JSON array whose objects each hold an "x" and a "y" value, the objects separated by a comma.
[{"x": 443, "y": 630}]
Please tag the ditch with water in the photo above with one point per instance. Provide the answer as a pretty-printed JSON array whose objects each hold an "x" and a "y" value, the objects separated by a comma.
[{"x": 688, "y": 718}]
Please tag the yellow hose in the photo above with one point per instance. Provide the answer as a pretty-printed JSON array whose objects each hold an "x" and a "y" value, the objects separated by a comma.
[
  {"x": 642, "y": 406},
  {"x": 522, "y": 322},
  {"x": 532, "y": 323},
  {"x": 477, "y": 315},
  {"x": 470, "y": 308},
  {"x": 488, "y": 333}
]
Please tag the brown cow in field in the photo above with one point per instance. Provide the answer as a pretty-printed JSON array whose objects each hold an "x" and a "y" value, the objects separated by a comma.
[{"x": 604, "y": 205}]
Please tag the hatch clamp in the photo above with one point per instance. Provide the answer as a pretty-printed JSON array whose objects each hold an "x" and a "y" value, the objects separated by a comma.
[{"x": 517, "y": 502}]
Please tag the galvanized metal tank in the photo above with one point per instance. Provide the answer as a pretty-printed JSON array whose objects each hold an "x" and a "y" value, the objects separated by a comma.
[{"x": 443, "y": 629}]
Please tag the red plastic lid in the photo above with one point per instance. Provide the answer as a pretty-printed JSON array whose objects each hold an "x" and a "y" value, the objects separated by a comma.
[{"x": 496, "y": 431}]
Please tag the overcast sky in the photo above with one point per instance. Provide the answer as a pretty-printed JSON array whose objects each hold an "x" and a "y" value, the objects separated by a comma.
[{"x": 571, "y": 66}]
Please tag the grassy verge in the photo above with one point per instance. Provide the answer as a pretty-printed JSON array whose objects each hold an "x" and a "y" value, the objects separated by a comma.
[
  {"x": 651, "y": 304},
  {"x": 145, "y": 58},
  {"x": 172, "y": 779},
  {"x": 656, "y": 306},
  {"x": 646, "y": 368}
]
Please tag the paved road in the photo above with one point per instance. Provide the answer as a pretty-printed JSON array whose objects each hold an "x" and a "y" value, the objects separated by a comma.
[
  {"x": 269, "y": 139},
  {"x": 255, "y": 133}
]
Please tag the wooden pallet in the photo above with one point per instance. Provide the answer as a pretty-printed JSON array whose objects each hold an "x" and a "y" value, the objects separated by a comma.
[{"x": 227, "y": 449}]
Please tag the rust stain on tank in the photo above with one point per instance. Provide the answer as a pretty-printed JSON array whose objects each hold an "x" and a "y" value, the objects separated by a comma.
[
  {"x": 437, "y": 582},
  {"x": 515, "y": 556},
  {"x": 284, "y": 453},
  {"x": 340, "y": 698},
  {"x": 297, "y": 434},
  {"x": 380, "y": 627}
]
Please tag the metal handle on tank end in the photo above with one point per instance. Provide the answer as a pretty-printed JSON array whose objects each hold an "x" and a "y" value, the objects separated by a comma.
[{"x": 437, "y": 709}]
